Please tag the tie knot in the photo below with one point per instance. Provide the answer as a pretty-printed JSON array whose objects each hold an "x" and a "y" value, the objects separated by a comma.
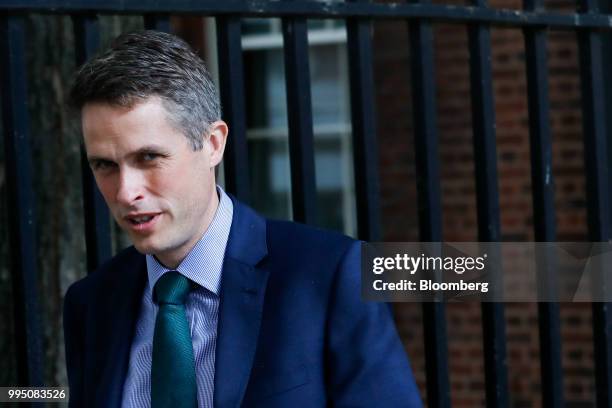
[{"x": 172, "y": 288}]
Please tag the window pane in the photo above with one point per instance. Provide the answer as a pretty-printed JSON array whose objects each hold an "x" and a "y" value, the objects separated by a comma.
[{"x": 267, "y": 125}]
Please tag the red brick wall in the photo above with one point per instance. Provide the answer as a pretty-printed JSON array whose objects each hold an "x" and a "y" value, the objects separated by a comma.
[{"x": 399, "y": 204}]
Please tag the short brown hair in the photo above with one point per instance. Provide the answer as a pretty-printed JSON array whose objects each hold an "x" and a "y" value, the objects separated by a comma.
[{"x": 143, "y": 64}]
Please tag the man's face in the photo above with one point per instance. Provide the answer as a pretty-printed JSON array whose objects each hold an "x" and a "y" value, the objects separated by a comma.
[{"x": 160, "y": 191}]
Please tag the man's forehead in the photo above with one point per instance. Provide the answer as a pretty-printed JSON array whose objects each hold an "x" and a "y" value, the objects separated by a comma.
[
  {"x": 149, "y": 113},
  {"x": 107, "y": 126}
]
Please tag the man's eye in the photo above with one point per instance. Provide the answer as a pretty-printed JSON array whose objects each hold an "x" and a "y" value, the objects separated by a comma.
[
  {"x": 102, "y": 165},
  {"x": 147, "y": 157}
]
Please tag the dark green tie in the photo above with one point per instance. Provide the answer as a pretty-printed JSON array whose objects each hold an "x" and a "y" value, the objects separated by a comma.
[{"x": 173, "y": 378}]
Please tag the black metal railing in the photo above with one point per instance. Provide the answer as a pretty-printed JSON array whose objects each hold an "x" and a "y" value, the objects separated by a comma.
[{"x": 533, "y": 20}]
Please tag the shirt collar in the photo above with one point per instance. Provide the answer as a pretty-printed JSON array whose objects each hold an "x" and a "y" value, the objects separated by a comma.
[{"x": 204, "y": 262}]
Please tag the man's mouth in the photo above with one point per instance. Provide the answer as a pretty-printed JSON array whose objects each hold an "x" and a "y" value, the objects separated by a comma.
[{"x": 142, "y": 222}]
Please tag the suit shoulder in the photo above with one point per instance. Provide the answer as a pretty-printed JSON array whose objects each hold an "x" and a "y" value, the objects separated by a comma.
[
  {"x": 313, "y": 235},
  {"x": 105, "y": 273},
  {"x": 292, "y": 237}
]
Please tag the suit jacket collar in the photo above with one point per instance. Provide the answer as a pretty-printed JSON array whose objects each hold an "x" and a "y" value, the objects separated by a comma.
[
  {"x": 247, "y": 240},
  {"x": 242, "y": 296}
]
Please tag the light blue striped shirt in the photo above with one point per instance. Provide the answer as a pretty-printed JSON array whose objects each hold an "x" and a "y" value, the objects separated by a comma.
[{"x": 202, "y": 265}]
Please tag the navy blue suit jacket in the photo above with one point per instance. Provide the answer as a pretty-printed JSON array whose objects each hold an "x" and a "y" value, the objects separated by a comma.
[{"x": 292, "y": 331}]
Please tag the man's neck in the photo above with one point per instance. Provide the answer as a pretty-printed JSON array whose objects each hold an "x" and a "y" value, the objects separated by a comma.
[{"x": 173, "y": 259}]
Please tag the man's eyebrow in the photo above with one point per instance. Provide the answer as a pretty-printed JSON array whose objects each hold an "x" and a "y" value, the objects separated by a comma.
[
  {"x": 93, "y": 159},
  {"x": 143, "y": 150},
  {"x": 150, "y": 149}
]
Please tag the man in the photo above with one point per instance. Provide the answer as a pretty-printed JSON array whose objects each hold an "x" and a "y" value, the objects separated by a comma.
[{"x": 213, "y": 305}]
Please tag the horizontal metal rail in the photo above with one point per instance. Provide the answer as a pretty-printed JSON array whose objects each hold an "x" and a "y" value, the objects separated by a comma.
[{"x": 327, "y": 10}]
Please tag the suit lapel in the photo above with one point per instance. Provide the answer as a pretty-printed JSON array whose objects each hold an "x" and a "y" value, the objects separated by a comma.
[
  {"x": 122, "y": 306},
  {"x": 242, "y": 296}
]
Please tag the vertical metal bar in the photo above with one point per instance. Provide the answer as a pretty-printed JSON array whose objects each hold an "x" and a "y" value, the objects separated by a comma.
[
  {"x": 539, "y": 129},
  {"x": 606, "y": 42},
  {"x": 365, "y": 148},
  {"x": 598, "y": 210},
  {"x": 231, "y": 80},
  {"x": 97, "y": 219},
  {"x": 20, "y": 200},
  {"x": 487, "y": 201},
  {"x": 299, "y": 115},
  {"x": 158, "y": 22},
  {"x": 543, "y": 207},
  {"x": 429, "y": 202}
]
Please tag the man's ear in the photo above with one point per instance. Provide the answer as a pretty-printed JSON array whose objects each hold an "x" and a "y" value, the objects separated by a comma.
[{"x": 217, "y": 136}]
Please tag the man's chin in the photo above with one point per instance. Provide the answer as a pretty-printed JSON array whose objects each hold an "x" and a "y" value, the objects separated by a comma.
[{"x": 145, "y": 248}]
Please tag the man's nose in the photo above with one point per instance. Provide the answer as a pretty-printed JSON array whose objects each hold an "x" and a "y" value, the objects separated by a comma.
[{"x": 131, "y": 187}]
